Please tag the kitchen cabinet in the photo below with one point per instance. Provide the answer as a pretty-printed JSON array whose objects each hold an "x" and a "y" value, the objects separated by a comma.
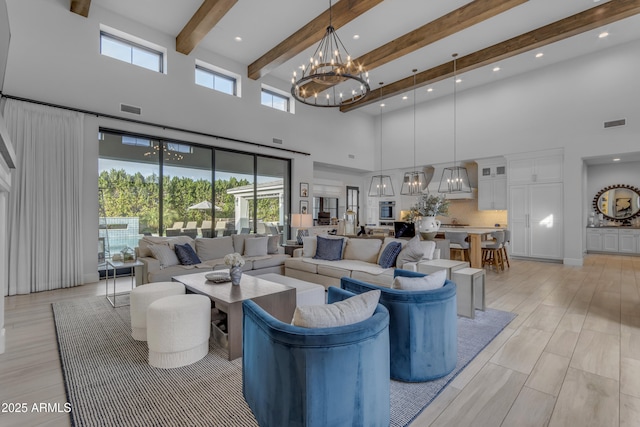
[
  {"x": 492, "y": 184},
  {"x": 613, "y": 240},
  {"x": 535, "y": 220},
  {"x": 534, "y": 169}
]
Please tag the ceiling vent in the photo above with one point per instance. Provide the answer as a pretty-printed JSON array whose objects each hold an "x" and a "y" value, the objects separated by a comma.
[
  {"x": 277, "y": 141},
  {"x": 614, "y": 123},
  {"x": 130, "y": 109}
]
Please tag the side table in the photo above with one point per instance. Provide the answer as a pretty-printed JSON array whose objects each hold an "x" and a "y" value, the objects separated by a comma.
[
  {"x": 288, "y": 249},
  {"x": 115, "y": 265},
  {"x": 434, "y": 265}
]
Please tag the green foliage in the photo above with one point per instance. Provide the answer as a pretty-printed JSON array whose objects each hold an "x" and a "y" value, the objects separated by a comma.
[{"x": 128, "y": 195}]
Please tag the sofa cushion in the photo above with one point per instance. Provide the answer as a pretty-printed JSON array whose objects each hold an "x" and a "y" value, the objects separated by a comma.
[
  {"x": 429, "y": 282},
  {"x": 239, "y": 240},
  {"x": 186, "y": 255},
  {"x": 274, "y": 243},
  {"x": 269, "y": 261},
  {"x": 164, "y": 254},
  {"x": 363, "y": 249},
  {"x": 256, "y": 246},
  {"x": 333, "y": 271},
  {"x": 309, "y": 246},
  {"x": 328, "y": 249},
  {"x": 388, "y": 240},
  {"x": 383, "y": 279},
  {"x": 143, "y": 244},
  {"x": 389, "y": 254},
  {"x": 301, "y": 265},
  {"x": 347, "y": 312},
  {"x": 213, "y": 248},
  {"x": 411, "y": 252}
]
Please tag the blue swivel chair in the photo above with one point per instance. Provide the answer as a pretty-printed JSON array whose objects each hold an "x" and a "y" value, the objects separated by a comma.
[
  {"x": 293, "y": 376},
  {"x": 423, "y": 328}
]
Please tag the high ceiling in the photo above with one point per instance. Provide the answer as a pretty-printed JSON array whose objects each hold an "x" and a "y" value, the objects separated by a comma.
[{"x": 262, "y": 25}]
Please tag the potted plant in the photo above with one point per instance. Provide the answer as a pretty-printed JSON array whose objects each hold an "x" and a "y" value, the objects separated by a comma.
[{"x": 428, "y": 206}]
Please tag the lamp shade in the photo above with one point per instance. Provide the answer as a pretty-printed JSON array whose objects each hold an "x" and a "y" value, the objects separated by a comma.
[{"x": 301, "y": 220}]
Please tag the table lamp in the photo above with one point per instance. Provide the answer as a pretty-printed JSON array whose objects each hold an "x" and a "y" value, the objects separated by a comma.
[{"x": 302, "y": 222}]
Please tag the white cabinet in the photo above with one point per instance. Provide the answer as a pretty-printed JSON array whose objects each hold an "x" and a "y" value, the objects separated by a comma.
[
  {"x": 613, "y": 240},
  {"x": 492, "y": 194},
  {"x": 492, "y": 184},
  {"x": 540, "y": 169},
  {"x": 535, "y": 220}
]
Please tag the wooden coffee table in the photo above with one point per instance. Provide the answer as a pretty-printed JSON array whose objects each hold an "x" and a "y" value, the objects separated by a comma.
[{"x": 276, "y": 299}]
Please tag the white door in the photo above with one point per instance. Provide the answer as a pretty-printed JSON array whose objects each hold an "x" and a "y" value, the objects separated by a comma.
[
  {"x": 545, "y": 221},
  {"x": 499, "y": 193},
  {"x": 610, "y": 241},
  {"x": 518, "y": 215},
  {"x": 627, "y": 242}
]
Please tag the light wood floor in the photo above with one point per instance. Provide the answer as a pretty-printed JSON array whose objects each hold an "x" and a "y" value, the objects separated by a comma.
[{"x": 570, "y": 358}]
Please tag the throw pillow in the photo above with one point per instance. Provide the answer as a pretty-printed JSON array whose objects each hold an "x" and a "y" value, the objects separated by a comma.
[
  {"x": 186, "y": 255},
  {"x": 347, "y": 312},
  {"x": 412, "y": 252},
  {"x": 272, "y": 245},
  {"x": 309, "y": 247},
  {"x": 389, "y": 255},
  {"x": 362, "y": 250},
  {"x": 256, "y": 246},
  {"x": 214, "y": 248},
  {"x": 388, "y": 240},
  {"x": 164, "y": 254},
  {"x": 328, "y": 249},
  {"x": 432, "y": 281}
]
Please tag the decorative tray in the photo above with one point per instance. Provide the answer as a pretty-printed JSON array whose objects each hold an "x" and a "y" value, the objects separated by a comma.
[{"x": 218, "y": 276}]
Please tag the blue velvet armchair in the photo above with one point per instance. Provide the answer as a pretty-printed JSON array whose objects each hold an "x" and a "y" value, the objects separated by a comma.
[
  {"x": 423, "y": 328},
  {"x": 295, "y": 376}
]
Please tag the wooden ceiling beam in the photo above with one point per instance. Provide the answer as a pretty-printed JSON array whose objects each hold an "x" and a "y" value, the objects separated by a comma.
[
  {"x": 460, "y": 19},
  {"x": 203, "y": 21},
  {"x": 343, "y": 12},
  {"x": 573, "y": 25},
  {"x": 81, "y": 7}
]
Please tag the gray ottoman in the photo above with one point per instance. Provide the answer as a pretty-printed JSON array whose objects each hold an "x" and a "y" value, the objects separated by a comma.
[{"x": 306, "y": 293}]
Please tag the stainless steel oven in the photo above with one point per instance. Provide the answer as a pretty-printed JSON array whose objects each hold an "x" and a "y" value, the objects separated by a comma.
[{"x": 387, "y": 211}]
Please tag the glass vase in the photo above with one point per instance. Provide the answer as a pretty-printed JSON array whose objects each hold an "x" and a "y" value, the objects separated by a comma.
[{"x": 236, "y": 275}]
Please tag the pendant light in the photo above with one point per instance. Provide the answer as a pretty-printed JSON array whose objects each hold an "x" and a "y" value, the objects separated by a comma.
[
  {"x": 381, "y": 185},
  {"x": 414, "y": 182},
  {"x": 454, "y": 179}
]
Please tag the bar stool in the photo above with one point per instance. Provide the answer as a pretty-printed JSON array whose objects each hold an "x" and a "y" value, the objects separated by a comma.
[
  {"x": 492, "y": 251},
  {"x": 507, "y": 241},
  {"x": 459, "y": 244}
]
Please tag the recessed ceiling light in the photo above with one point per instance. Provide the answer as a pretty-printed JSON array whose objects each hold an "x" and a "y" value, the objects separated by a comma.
[
  {"x": 539, "y": 55},
  {"x": 382, "y": 105},
  {"x": 496, "y": 69},
  {"x": 405, "y": 97},
  {"x": 616, "y": 160},
  {"x": 459, "y": 80},
  {"x": 430, "y": 89},
  {"x": 238, "y": 38},
  {"x": 356, "y": 36},
  {"x": 603, "y": 34}
]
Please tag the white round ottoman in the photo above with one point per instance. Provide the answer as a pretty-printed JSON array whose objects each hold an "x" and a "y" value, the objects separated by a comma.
[
  {"x": 144, "y": 295},
  {"x": 178, "y": 329}
]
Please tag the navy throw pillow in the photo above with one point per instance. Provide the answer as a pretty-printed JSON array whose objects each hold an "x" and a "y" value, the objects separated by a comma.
[
  {"x": 328, "y": 249},
  {"x": 186, "y": 255},
  {"x": 389, "y": 254}
]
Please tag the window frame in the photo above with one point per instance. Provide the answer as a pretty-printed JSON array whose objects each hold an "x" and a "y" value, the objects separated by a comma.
[
  {"x": 221, "y": 73},
  {"x": 279, "y": 94},
  {"x": 134, "y": 43}
]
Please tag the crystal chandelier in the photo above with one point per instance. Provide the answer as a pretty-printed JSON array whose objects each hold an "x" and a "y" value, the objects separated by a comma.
[
  {"x": 454, "y": 179},
  {"x": 327, "y": 71},
  {"x": 414, "y": 182},
  {"x": 381, "y": 185}
]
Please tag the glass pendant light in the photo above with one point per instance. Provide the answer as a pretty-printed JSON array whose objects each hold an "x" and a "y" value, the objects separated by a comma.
[
  {"x": 381, "y": 185},
  {"x": 455, "y": 179},
  {"x": 414, "y": 182}
]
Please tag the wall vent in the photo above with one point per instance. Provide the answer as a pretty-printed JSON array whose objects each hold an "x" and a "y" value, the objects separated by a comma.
[
  {"x": 352, "y": 156},
  {"x": 614, "y": 123},
  {"x": 130, "y": 109},
  {"x": 277, "y": 141}
]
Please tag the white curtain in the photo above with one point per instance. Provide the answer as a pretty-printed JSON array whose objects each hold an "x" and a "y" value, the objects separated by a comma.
[{"x": 45, "y": 245}]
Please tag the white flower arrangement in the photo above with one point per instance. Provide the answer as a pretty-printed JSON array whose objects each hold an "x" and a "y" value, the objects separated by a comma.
[
  {"x": 234, "y": 260},
  {"x": 431, "y": 205}
]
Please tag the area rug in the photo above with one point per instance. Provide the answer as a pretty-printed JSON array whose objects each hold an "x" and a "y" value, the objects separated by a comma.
[{"x": 109, "y": 382}]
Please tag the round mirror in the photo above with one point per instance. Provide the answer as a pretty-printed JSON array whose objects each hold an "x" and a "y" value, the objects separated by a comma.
[{"x": 618, "y": 202}]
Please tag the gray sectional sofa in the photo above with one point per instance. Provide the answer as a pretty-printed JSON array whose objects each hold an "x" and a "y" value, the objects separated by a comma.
[
  {"x": 359, "y": 261},
  {"x": 211, "y": 252}
]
